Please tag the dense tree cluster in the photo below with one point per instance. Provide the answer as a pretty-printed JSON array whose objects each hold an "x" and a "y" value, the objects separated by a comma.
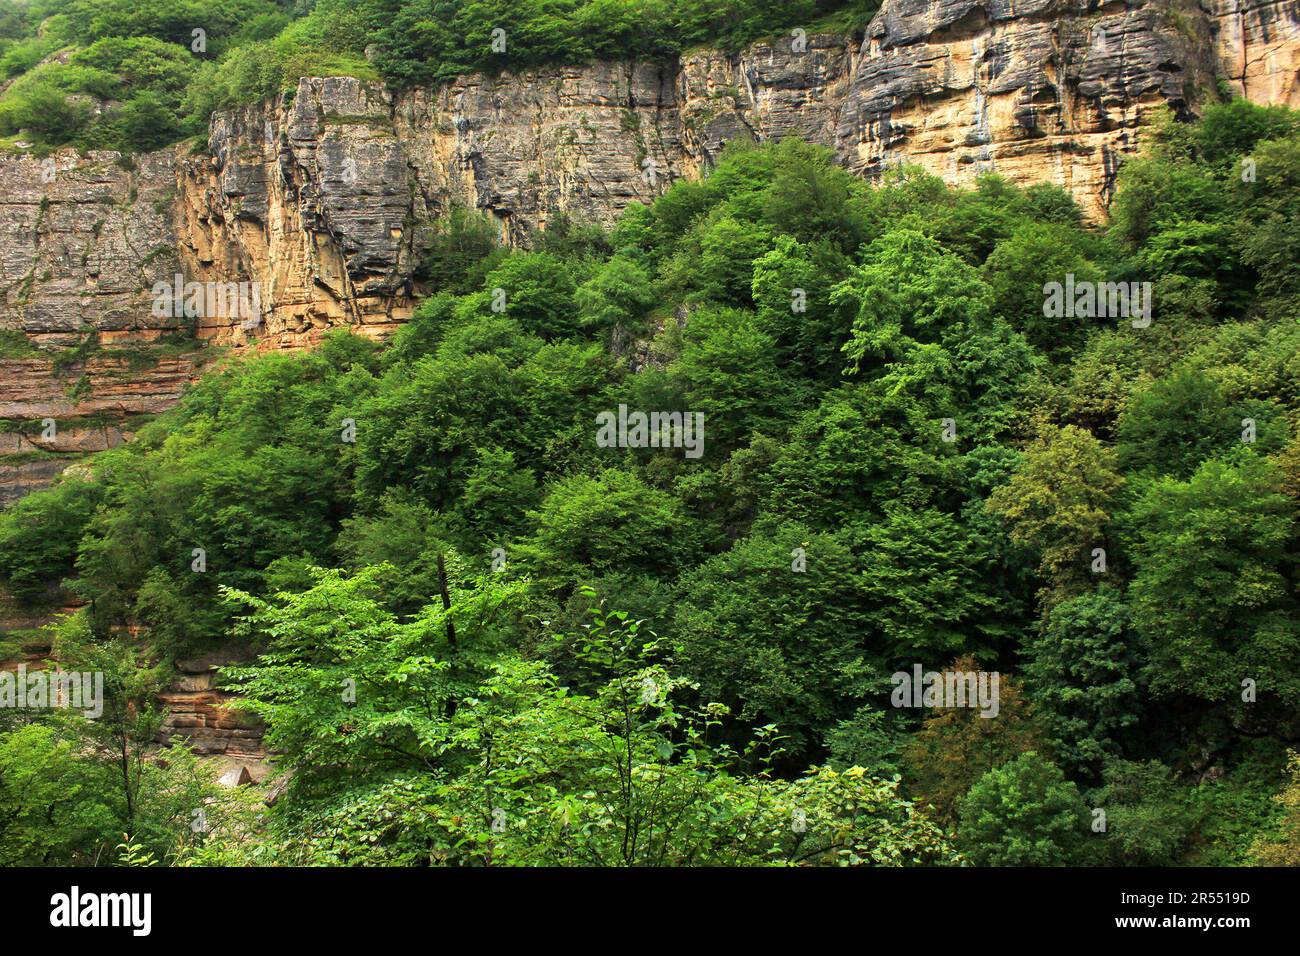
[{"x": 485, "y": 638}]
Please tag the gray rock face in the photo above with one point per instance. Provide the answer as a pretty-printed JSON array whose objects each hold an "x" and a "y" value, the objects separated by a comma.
[
  {"x": 82, "y": 240},
  {"x": 589, "y": 140},
  {"x": 770, "y": 91},
  {"x": 19, "y": 477}
]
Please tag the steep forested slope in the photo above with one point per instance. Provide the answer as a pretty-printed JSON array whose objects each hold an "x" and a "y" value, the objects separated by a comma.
[{"x": 488, "y": 637}]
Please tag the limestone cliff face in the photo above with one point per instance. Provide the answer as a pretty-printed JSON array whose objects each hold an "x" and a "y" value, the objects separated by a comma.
[
  {"x": 323, "y": 200},
  {"x": 82, "y": 240},
  {"x": 1256, "y": 47},
  {"x": 589, "y": 140},
  {"x": 1035, "y": 90},
  {"x": 309, "y": 198}
]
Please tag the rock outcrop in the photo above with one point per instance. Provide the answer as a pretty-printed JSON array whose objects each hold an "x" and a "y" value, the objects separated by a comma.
[
  {"x": 54, "y": 414},
  {"x": 310, "y": 199},
  {"x": 1257, "y": 49},
  {"x": 312, "y": 210},
  {"x": 1035, "y": 90},
  {"x": 588, "y": 140},
  {"x": 198, "y": 711}
]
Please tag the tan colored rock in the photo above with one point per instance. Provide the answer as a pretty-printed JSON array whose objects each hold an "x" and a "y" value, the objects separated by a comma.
[
  {"x": 75, "y": 438},
  {"x": 310, "y": 200},
  {"x": 199, "y": 713},
  {"x": 1258, "y": 46}
]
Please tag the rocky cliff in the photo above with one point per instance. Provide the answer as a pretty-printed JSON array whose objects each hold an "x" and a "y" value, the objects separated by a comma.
[{"x": 312, "y": 209}]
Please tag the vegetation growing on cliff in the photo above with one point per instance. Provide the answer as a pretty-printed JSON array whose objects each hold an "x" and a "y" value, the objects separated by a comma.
[
  {"x": 487, "y": 639},
  {"x": 117, "y": 74}
]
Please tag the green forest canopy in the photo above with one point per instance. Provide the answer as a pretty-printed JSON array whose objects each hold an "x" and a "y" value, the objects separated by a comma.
[{"x": 485, "y": 639}]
